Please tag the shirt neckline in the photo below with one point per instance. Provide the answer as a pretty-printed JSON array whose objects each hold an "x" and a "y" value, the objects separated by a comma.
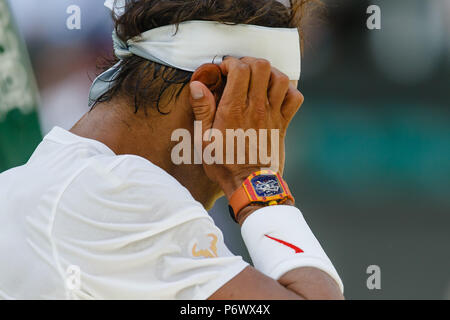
[{"x": 60, "y": 135}]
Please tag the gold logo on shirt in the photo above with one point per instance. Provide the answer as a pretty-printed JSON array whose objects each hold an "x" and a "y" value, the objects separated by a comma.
[{"x": 211, "y": 252}]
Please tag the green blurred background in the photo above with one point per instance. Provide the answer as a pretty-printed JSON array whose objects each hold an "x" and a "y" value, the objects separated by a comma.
[{"x": 368, "y": 155}]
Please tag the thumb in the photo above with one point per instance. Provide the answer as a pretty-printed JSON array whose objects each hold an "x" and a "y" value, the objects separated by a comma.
[{"x": 203, "y": 104}]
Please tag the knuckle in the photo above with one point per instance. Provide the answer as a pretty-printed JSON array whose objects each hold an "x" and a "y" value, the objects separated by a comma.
[
  {"x": 282, "y": 79},
  {"x": 258, "y": 102},
  {"x": 243, "y": 67},
  {"x": 202, "y": 113},
  {"x": 230, "y": 59},
  {"x": 259, "y": 113},
  {"x": 247, "y": 59},
  {"x": 233, "y": 64},
  {"x": 233, "y": 113},
  {"x": 230, "y": 62},
  {"x": 262, "y": 64},
  {"x": 298, "y": 98}
]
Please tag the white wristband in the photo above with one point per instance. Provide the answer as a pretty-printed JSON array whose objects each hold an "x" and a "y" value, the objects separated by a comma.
[{"x": 279, "y": 240}]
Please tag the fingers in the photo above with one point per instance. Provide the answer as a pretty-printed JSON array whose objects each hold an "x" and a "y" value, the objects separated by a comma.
[
  {"x": 254, "y": 82},
  {"x": 238, "y": 80},
  {"x": 259, "y": 82},
  {"x": 278, "y": 88},
  {"x": 292, "y": 102},
  {"x": 203, "y": 104}
]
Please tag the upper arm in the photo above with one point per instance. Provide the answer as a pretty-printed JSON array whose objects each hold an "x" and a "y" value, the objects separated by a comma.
[
  {"x": 298, "y": 284},
  {"x": 250, "y": 284},
  {"x": 142, "y": 236}
]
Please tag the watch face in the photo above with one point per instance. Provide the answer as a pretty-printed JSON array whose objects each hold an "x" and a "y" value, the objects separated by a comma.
[{"x": 267, "y": 185}]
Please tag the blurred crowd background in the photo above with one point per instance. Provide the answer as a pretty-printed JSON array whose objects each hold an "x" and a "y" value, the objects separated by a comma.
[{"x": 368, "y": 155}]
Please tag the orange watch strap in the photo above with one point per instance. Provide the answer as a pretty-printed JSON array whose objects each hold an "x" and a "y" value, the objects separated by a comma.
[
  {"x": 241, "y": 199},
  {"x": 238, "y": 200}
]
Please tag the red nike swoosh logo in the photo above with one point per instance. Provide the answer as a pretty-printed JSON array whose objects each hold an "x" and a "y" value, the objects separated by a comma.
[{"x": 290, "y": 245}]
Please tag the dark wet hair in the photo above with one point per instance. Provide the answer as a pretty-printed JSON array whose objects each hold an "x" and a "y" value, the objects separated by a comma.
[{"x": 142, "y": 82}]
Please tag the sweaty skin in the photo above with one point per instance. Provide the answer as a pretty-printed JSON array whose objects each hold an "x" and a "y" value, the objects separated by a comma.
[{"x": 254, "y": 95}]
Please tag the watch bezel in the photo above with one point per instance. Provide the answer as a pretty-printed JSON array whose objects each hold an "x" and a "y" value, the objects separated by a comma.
[{"x": 253, "y": 195}]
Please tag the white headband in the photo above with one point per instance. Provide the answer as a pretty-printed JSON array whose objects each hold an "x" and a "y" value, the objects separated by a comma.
[
  {"x": 199, "y": 42},
  {"x": 118, "y": 6}
]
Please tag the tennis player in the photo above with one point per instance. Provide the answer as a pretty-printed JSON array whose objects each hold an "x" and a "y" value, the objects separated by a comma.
[{"x": 103, "y": 211}]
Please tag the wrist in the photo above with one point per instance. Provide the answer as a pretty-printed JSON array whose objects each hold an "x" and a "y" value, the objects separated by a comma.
[
  {"x": 260, "y": 189},
  {"x": 247, "y": 211},
  {"x": 234, "y": 181}
]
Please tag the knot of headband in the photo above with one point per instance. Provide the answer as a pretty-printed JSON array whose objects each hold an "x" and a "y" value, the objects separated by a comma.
[{"x": 198, "y": 42}]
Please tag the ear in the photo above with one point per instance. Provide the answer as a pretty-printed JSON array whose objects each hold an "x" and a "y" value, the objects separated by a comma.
[{"x": 211, "y": 76}]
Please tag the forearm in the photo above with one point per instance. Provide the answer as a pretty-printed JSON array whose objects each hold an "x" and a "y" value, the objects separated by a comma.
[
  {"x": 308, "y": 281},
  {"x": 311, "y": 284}
]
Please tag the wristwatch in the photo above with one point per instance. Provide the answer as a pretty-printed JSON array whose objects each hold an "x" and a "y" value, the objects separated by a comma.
[{"x": 264, "y": 187}]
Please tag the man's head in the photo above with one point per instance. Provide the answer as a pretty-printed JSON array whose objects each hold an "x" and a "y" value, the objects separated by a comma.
[
  {"x": 152, "y": 100},
  {"x": 148, "y": 84}
]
